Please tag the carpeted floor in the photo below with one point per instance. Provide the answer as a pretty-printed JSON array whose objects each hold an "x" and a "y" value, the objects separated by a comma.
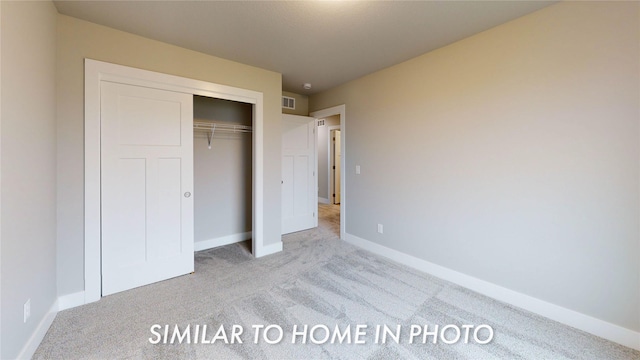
[{"x": 316, "y": 280}]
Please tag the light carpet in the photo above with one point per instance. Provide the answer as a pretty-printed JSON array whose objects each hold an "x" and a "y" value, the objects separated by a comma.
[{"x": 316, "y": 280}]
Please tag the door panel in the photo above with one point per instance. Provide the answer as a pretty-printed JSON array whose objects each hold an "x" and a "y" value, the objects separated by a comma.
[
  {"x": 146, "y": 169},
  {"x": 302, "y": 177},
  {"x": 131, "y": 180},
  {"x": 299, "y": 181},
  {"x": 287, "y": 191},
  {"x": 144, "y": 121},
  {"x": 168, "y": 207}
]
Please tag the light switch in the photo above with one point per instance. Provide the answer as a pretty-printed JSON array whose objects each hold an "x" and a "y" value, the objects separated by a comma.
[{"x": 358, "y": 169}]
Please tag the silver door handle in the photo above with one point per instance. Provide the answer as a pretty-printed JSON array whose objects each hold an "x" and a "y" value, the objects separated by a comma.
[{"x": 187, "y": 194}]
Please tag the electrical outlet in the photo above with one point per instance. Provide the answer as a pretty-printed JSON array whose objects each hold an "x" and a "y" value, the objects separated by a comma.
[
  {"x": 380, "y": 229},
  {"x": 358, "y": 169},
  {"x": 27, "y": 310}
]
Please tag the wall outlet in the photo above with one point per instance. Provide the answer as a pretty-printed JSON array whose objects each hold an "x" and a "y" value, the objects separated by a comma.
[
  {"x": 358, "y": 169},
  {"x": 380, "y": 229},
  {"x": 27, "y": 310}
]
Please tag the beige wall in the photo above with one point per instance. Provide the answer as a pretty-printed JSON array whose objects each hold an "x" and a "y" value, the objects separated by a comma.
[
  {"x": 511, "y": 156},
  {"x": 79, "y": 39},
  {"x": 28, "y": 191},
  {"x": 302, "y": 104}
]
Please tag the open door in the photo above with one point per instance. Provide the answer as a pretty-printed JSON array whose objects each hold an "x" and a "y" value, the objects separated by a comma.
[
  {"x": 146, "y": 185},
  {"x": 299, "y": 180}
]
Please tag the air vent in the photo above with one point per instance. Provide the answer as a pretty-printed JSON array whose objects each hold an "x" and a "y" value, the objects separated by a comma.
[
  {"x": 321, "y": 122},
  {"x": 288, "y": 102}
]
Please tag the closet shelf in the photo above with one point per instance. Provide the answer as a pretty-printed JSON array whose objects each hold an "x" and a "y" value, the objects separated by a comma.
[
  {"x": 218, "y": 126},
  {"x": 211, "y": 127}
]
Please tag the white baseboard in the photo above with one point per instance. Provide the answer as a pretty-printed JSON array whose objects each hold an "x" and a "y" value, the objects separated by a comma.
[
  {"x": 566, "y": 316},
  {"x": 71, "y": 300},
  {"x": 221, "y": 241},
  {"x": 323, "y": 200},
  {"x": 41, "y": 330},
  {"x": 269, "y": 249}
]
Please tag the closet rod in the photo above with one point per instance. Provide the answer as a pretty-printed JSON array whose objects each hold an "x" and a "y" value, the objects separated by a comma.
[
  {"x": 208, "y": 126},
  {"x": 211, "y": 127}
]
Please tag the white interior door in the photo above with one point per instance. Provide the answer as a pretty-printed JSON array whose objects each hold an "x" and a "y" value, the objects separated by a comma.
[
  {"x": 299, "y": 181},
  {"x": 337, "y": 158},
  {"x": 146, "y": 185}
]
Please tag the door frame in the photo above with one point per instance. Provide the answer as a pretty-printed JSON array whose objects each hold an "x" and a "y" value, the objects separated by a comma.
[
  {"x": 330, "y": 160},
  {"x": 98, "y": 71},
  {"x": 342, "y": 111}
]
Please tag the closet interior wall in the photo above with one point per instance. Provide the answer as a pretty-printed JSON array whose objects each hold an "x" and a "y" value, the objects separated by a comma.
[{"x": 222, "y": 174}]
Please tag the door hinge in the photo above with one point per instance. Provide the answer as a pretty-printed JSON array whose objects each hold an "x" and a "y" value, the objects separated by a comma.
[
  {"x": 314, "y": 214},
  {"x": 334, "y": 168},
  {"x": 334, "y": 195}
]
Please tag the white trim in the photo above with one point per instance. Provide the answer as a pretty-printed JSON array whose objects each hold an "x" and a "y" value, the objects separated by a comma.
[
  {"x": 258, "y": 175},
  {"x": 92, "y": 277},
  {"x": 34, "y": 341},
  {"x": 0, "y": 176},
  {"x": 71, "y": 300},
  {"x": 330, "y": 189},
  {"x": 97, "y": 71},
  {"x": 323, "y": 200},
  {"x": 342, "y": 111},
  {"x": 270, "y": 249},
  {"x": 221, "y": 241},
  {"x": 566, "y": 316}
]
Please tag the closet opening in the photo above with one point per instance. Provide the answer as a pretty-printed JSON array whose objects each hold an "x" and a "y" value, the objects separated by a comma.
[{"x": 223, "y": 188}]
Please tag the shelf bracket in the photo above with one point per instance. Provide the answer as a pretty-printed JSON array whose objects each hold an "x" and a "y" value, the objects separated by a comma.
[{"x": 210, "y": 135}]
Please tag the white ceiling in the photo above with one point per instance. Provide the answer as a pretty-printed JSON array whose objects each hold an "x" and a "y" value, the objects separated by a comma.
[{"x": 325, "y": 43}]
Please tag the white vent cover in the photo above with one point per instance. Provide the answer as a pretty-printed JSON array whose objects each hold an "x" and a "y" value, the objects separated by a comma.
[{"x": 288, "y": 102}]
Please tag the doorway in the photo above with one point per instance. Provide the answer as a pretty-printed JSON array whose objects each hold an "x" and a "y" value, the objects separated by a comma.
[
  {"x": 334, "y": 165},
  {"x": 325, "y": 176}
]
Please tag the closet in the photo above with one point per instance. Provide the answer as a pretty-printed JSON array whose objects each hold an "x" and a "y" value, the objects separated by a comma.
[
  {"x": 222, "y": 151},
  {"x": 140, "y": 226}
]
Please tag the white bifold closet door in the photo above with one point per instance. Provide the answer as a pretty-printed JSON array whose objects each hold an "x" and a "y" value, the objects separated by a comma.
[
  {"x": 299, "y": 180},
  {"x": 147, "y": 180}
]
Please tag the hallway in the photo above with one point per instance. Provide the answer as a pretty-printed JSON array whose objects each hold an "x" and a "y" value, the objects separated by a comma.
[{"x": 329, "y": 217}]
